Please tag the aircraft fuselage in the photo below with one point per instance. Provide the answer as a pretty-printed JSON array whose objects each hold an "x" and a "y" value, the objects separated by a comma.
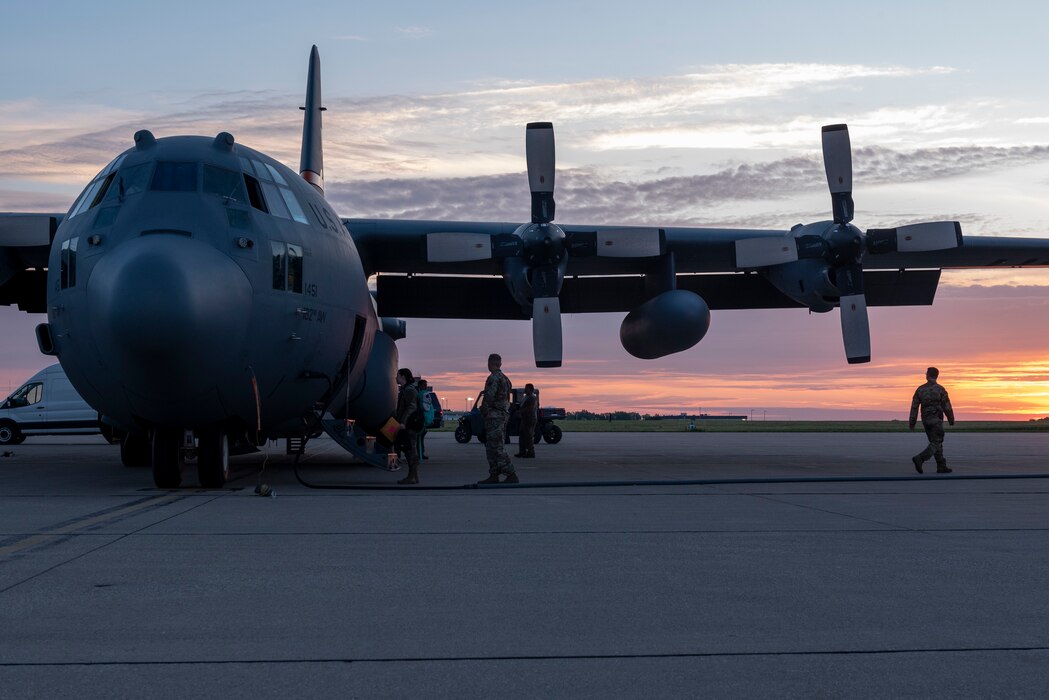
[{"x": 197, "y": 283}]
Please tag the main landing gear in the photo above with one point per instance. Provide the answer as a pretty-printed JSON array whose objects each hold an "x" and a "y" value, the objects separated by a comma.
[
  {"x": 167, "y": 449},
  {"x": 213, "y": 459}
]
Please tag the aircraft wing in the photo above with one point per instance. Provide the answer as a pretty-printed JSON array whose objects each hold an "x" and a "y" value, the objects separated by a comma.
[
  {"x": 704, "y": 260},
  {"x": 25, "y": 243}
]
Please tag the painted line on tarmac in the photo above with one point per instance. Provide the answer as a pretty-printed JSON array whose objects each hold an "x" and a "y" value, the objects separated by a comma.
[
  {"x": 1035, "y": 648},
  {"x": 667, "y": 482},
  {"x": 89, "y": 521}
]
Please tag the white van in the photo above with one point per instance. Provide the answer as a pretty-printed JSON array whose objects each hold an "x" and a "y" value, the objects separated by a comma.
[{"x": 46, "y": 405}]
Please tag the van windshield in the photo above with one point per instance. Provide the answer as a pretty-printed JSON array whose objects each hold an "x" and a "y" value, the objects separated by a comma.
[{"x": 26, "y": 396}]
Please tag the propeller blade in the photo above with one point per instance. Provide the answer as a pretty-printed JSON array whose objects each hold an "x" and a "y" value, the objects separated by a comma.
[
  {"x": 855, "y": 328},
  {"x": 837, "y": 161},
  {"x": 766, "y": 250},
  {"x": 916, "y": 238},
  {"x": 458, "y": 247},
  {"x": 546, "y": 331},
  {"x": 539, "y": 150}
]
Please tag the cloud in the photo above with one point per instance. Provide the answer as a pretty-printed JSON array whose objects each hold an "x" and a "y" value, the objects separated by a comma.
[
  {"x": 588, "y": 196},
  {"x": 414, "y": 32},
  {"x": 439, "y": 134},
  {"x": 31, "y": 201}
]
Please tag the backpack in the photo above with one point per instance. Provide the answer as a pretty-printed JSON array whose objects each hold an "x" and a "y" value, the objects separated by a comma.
[
  {"x": 415, "y": 420},
  {"x": 429, "y": 405}
]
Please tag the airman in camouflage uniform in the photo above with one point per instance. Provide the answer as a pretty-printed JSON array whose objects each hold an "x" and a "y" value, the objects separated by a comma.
[
  {"x": 496, "y": 409},
  {"x": 935, "y": 404},
  {"x": 407, "y": 404},
  {"x": 527, "y": 412}
]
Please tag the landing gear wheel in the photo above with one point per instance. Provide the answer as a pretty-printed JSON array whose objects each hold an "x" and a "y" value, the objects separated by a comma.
[
  {"x": 551, "y": 434},
  {"x": 213, "y": 459},
  {"x": 135, "y": 450},
  {"x": 167, "y": 458},
  {"x": 463, "y": 434},
  {"x": 10, "y": 435}
]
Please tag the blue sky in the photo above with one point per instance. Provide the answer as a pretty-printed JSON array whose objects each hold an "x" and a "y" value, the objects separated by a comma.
[{"x": 666, "y": 113}]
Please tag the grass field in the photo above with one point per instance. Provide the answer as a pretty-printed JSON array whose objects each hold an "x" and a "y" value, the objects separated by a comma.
[{"x": 731, "y": 426}]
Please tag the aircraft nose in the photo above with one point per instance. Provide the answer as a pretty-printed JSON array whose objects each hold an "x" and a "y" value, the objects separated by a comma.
[{"x": 170, "y": 313}]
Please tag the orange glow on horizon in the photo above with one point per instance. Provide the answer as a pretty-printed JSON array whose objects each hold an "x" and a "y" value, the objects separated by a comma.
[{"x": 986, "y": 388}]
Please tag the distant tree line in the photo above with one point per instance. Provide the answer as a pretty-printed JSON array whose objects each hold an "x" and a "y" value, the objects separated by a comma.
[
  {"x": 631, "y": 415},
  {"x": 590, "y": 415}
]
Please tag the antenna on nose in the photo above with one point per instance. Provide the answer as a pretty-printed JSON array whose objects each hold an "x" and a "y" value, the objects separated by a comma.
[
  {"x": 144, "y": 139},
  {"x": 311, "y": 164},
  {"x": 224, "y": 141}
]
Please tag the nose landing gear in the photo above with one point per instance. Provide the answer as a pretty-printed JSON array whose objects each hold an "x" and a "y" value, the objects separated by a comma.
[
  {"x": 166, "y": 448},
  {"x": 167, "y": 458}
]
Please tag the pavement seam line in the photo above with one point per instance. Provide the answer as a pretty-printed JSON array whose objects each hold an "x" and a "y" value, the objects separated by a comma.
[{"x": 538, "y": 657}]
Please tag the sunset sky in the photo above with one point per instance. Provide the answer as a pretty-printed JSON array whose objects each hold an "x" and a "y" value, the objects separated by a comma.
[{"x": 666, "y": 113}]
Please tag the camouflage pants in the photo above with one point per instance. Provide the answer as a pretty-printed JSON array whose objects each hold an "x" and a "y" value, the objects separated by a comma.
[
  {"x": 934, "y": 431},
  {"x": 494, "y": 436},
  {"x": 410, "y": 446},
  {"x": 526, "y": 442}
]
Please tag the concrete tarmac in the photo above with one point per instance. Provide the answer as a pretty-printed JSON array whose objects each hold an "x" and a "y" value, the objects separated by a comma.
[{"x": 785, "y": 565}]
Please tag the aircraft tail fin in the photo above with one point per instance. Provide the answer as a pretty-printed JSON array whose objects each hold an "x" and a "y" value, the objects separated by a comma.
[{"x": 311, "y": 163}]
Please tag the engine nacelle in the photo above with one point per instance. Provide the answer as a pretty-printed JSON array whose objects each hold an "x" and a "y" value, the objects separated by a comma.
[
  {"x": 808, "y": 282},
  {"x": 671, "y": 322},
  {"x": 539, "y": 270},
  {"x": 373, "y": 398}
]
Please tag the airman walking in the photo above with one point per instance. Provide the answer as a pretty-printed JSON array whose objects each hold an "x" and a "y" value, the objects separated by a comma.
[{"x": 935, "y": 404}]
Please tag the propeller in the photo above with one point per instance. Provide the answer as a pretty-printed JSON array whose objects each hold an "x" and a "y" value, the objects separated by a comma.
[
  {"x": 842, "y": 246},
  {"x": 548, "y": 250},
  {"x": 536, "y": 255}
]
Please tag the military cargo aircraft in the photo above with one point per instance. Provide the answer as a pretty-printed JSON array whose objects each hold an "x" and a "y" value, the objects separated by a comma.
[{"x": 201, "y": 294}]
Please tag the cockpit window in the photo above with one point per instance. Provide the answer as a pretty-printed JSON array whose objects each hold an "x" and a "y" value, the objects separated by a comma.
[
  {"x": 129, "y": 181},
  {"x": 67, "y": 261},
  {"x": 255, "y": 193},
  {"x": 224, "y": 183},
  {"x": 274, "y": 201},
  {"x": 172, "y": 176},
  {"x": 92, "y": 195},
  {"x": 96, "y": 189},
  {"x": 260, "y": 171},
  {"x": 293, "y": 205},
  {"x": 277, "y": 177},
  {"x": 114, "y": 164},
  {"x": 268, "y": 190}
]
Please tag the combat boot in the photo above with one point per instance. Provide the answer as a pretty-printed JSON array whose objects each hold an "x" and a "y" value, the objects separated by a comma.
[
  {"x": 917, "y": 463},
  {"x": 493, "y": 478},
  {"x": 943, "y": 469},
  {"x": 511, "y": 478},
  {"x": 412, "y": 478}
]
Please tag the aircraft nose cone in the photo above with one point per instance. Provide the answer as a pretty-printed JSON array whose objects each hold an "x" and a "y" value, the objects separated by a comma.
[{"x": 170, "y": 313}]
